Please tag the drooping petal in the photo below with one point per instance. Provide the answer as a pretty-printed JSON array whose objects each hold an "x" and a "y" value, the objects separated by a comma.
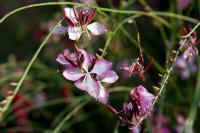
[
  {"x": 87, "y": 59},
  {"x": 69, "y": 13},
  {"x": 72, "y": 73},
  {"x": 74, "y": 32},
  {"x": 103, "y": 95},
  {"x": 96, "y": 28},
  {"x": 109, "y": 77},
  {"x": 62, "y": 60},
  {"x": 89, "y": 85},
  {"x": 145, "y": 98},
  {"x": 101, "y": 66},
  {"x": 59, "y": 30}
]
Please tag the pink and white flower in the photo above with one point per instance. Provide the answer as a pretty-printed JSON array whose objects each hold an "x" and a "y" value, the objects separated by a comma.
[
  {"x": 88, "y": 72},
  {"x": 80, "y": 22}
]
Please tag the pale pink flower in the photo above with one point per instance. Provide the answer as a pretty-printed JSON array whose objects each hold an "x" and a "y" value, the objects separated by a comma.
[
  {"x": 185, "y": 67},
  {"x": 160, "y": 124},
  {"x": 88, "y": 72}
]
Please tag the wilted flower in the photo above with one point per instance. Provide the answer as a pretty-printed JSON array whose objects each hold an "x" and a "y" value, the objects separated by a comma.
[
  {"x": 80, "y": 22},
  {"x": 186, "y": 67},
  {"x": 139, "y": 107},
  {"x": 88, "y": 72},
  {"x": 137, "y": 66}
]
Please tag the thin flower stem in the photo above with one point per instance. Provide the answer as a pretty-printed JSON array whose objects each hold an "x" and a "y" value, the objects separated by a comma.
[
  {"x": 149, "y": 14},
  {"x": 194, "y": 107},
  {"x": 5, "y": 108},
  {"x": 115, "y": 31},
  {"x": 116, "y": 128},
  {"x": 154, "y": 62},
  {"x": 138, "y": 37},
  {"x": 169, "y": 70}
]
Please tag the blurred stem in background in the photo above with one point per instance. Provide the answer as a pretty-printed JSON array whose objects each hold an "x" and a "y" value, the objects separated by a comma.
[
  {"x": 19, "y": 84},
  {"x": 149, "y": 14},
  {"x": 194, "y": 107}
]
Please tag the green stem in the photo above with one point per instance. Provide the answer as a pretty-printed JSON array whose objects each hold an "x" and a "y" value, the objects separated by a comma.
[
  {"x": 154, "y": 62},
  {"x": 166, "y": 76},
  {"x": 195, "y": 103},
  {"x": 115, "y": 31},
  {"x": 150, "y": 14},
  {"x": 67, "y": 117},
  {"x": 169, "y": 70},
  {"x": 27, "y": 70}
]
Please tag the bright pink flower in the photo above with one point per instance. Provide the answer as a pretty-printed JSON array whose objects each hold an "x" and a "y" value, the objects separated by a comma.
[{"x": 88, "y": 72}]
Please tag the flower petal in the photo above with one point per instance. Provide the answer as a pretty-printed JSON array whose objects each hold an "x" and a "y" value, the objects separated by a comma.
[
  {"x": 74, "y": 32},
  {"x": 89, "y": 85},
  {"x": 72, "y": 73},
  {"x": 101, "y": 66},
  {"x": 87, "y": 59},
  {"x": 109, "y": 77},
  {"x": 145, "y": 98},
  {"x": 103, "y": 95},
  {"x": 96, "y": 28},
  {"x": 69, "y": 13},
  {"x": 62, "y": 60},
  {"x": 59, "y": 30}
]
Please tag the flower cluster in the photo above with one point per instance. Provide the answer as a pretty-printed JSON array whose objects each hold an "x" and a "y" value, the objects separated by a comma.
[{"x": 88, "y": 72}]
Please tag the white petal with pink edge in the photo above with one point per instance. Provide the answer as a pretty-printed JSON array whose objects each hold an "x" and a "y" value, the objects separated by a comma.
[
  {"x": 96, "y": 28},
  {"x": 89, "y": 85},
  {"x": 109, "y": 77},
  {"x": 101, "y": 66},
  {"x": 72, "y": 73},
  {"x": 74, "y": 32},
  {"x": 103, "y": 95},
  {"x": 70, "y": 14}
]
